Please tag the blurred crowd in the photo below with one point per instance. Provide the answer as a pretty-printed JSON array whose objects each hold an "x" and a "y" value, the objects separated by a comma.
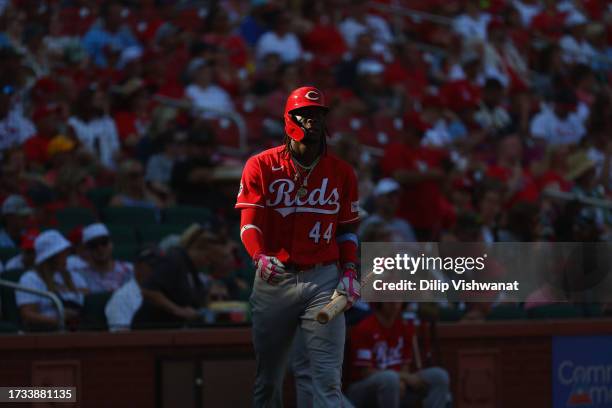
[{"x": 466, "y": 120}]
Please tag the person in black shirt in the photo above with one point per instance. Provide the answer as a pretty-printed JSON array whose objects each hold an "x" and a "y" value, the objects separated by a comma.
[
  {"x": 177, "y": 287},
  {"x": 192, "y": 175}
]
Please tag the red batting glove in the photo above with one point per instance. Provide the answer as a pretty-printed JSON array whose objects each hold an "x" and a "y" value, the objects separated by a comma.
[
  {"x": 348, "y": 286},
  {"x": 269, "y": 268}
]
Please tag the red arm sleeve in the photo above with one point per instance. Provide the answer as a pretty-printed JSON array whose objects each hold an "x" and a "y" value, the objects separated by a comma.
[
  {"x": 250, "y": 230},
  {"x": 250, "y": 201}
]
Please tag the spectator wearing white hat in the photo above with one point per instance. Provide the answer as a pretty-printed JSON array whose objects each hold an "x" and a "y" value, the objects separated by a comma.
[
  {"x": 50, "y": 274},
  {"x": 101, "y": 272},
  {"x": 15, "y": 214},
  {"x": 387, "y": 199}
]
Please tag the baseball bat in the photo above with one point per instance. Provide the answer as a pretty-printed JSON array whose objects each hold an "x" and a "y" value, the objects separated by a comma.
[
  {"x": 336, "y": 306},
  {"x": 332, "y": 309}
]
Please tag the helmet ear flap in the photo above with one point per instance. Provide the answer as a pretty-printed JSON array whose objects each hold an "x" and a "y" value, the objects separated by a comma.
[{"x": 294, "y": 131}]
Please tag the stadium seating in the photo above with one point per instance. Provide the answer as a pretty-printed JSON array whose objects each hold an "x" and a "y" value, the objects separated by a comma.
[
  {"x": 122, "y": 234},
  {"x": 154, "y": 233},
  {"x": 8, "y": 253},
  {"x": 126, "y": 252},
  {"x": 70, "y": 217},
  {"x": 130, "y": 215},
  {"x": 100, "y": 197},
  {"x": 186, "y": 215}
]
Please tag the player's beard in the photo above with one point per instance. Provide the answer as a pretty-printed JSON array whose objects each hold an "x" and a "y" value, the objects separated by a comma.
[{"x": 313, "y": 137}]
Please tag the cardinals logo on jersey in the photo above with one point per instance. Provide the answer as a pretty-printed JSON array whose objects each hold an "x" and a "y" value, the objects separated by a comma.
[{"x": 315, "y": 202}]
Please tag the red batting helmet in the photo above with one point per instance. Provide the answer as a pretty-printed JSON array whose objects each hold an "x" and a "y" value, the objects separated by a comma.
[{"x": 301, "y": 98}]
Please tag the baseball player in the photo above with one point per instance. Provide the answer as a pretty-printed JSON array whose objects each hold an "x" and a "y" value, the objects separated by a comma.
[{"x": 299, "y": 211}]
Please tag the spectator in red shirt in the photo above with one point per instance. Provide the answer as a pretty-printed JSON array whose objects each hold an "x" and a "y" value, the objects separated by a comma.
[
  {"x": 408, "y": 70},
  {"x": 420, "y": 170},
  {"x": 552, "y": 173},
  {"x": 222, "y": 36},
  {"x": 46, "y": 118},
  {"x": 549, "y": 22},
  {"x": 509, "y": 169},
  {"x": 132, "y": 116},
  {"x": 462, "y": 90},
  {"x": 321, "y": 36},
  {"x": 381, "y": 355}
]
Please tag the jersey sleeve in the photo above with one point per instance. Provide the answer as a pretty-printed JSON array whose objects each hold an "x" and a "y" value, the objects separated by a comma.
[
  {"x": 349, "y": 204},
  {"x": 250, "y": 193}
]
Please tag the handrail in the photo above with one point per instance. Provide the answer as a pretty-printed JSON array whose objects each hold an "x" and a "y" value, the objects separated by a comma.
[
  {"x": 397, "y": 10},
  {"x": 233, "y": 116},
  {"x": 54, "y": 298},
  {"x": 595, "y": 202}
]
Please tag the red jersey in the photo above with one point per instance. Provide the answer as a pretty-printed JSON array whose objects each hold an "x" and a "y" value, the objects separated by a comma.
[
  {"x": 423, "y": 203},
  {"x": 382, "y": 348},
  {"x": 529, "y": 189},
  {"x": 297, "y": 229}
]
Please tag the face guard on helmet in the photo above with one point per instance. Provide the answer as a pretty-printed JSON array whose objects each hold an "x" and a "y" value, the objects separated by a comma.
[{"x": 303, "y": 97}]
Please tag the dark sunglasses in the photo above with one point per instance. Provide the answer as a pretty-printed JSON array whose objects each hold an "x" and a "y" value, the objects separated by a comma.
[
  {"x": 98, "y": 242},
  {"x": 309, "y": 113}
]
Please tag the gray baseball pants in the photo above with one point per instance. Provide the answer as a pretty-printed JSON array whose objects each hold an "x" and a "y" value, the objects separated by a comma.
[
  {"x": 277, "y": 313},
  {"x": 300, "y": 366}
]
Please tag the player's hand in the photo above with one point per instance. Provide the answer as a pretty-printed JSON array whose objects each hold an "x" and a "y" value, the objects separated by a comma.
[
  {"x": 348, "y": 286},
  {"x": 188, "y": 313},
  {"x": 270, "y": 269}
]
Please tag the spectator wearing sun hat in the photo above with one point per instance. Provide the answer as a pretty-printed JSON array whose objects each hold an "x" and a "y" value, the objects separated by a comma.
[
  {"x": 101, "y": 272},
  {"x": 15, "y": 215},
  {"x": 50, "y": 274}
]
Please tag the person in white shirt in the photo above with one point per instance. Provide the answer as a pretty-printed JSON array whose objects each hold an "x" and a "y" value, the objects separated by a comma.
[
  {"x": 492, "y": 115},
  {"x": 208, "y": 98},
  {"x": 472, "y": 25},
  {"x": 575, "y": 46},
  {"x": 125, "y": 301},
  {"x": 359, "y": 21},
  {"x": 528, "y": 9},
  {"x": 101, "y": 272},
  {"x": 94, "y": 128},
  {"x": 561, "y": 124},
  {"x": 14, "y": 127},
  {"x": 280, "y": 40},
  {"x": 50, "y": 274}
]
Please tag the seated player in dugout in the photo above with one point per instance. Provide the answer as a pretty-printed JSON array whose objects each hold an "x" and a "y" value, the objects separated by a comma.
[
  {"x": 299, "y": 212},
  {"x": 385, "y": 364}
]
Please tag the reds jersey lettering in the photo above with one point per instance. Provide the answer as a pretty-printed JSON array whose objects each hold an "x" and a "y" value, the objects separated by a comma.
[
  {"x": 300, "y": 229},
  {"x": 383, "y": 348},
  {"x": 282, "y": 190}
]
